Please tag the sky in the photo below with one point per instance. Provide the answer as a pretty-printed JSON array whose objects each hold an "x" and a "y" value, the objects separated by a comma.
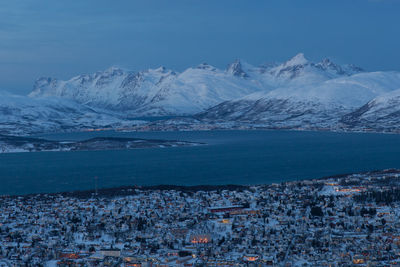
[{"x": 48, "y": 38}]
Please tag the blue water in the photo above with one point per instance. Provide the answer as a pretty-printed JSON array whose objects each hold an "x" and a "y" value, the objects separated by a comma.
[{"x": 234, "y": 157}]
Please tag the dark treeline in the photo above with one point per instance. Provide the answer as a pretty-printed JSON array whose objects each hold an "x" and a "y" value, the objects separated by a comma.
[{"x": 386, "y": 196}]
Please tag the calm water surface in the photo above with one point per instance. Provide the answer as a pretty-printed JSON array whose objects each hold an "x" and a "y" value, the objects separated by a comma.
[{"x": 234, "y": 157}]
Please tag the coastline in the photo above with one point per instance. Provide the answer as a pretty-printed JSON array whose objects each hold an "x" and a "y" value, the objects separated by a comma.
[
  {"x": 17, "y": 144},
  {"x": 238, "y": 128},
  {"x": 127, "y": 190}
]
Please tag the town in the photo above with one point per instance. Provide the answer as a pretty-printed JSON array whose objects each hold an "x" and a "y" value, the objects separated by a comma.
[{"x": 346, "y": 220}]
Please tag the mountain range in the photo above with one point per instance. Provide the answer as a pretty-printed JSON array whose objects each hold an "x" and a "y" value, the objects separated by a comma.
[{"x": 297, "y": 94}]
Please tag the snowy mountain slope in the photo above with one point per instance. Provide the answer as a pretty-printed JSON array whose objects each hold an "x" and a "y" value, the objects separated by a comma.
[
  {"x": 20, "y": 115},
  {"x": 114, "y": 88},
  {"x": 297, "y": 93},
  {"x": 197, "y": 89},
  {"x": 165, "y": 92},
  {"x": 382, "y": 113},
  {"x": 351, "y": 91},
  {"x": 321, "y": 103},
  {"x": 274, "y": 113},
  {"x": 151, "y": 92}
]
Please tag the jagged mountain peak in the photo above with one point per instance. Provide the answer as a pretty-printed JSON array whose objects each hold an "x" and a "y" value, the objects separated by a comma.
[
  {"x": 236, "y": 69},
  {"x": 327, "y": 65},
  {"x": 352, "y": 69},
  {"x": 325, "y": 69},
  {"x": 326, "y": 62},
  {"x": 292, "y": 68},
  {"x": 161, "y": 69},
  {"x": 295, "y": 93},
  {"x": 41, "y": 85},
  {"x": 153, "y": 91},
  {"x": 160, "y": 91},
  {"x": 112, "y": 71},
  {"x": 43, "y": 81},
  {"x": 298, "y": 59}
]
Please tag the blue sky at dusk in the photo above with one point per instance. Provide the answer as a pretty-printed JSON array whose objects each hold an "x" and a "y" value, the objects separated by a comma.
[{"x": 64, "y": 38}]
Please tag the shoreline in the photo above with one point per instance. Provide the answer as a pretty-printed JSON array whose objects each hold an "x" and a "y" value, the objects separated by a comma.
[
  {"x": 42, "y": 137},
  {"x": 16, "y": 144},
  {"x": 123, "y": 130},
  {"x": 127, "y": 190}
]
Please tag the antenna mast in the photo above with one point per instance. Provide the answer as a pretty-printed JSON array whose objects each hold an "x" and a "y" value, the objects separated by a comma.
[{"x": 95, "y": 185}]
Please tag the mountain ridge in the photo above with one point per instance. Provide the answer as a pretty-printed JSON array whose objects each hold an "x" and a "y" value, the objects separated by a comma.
[
  {"x": 166, "y": 92},
  {"x": 295, "y": 94}
]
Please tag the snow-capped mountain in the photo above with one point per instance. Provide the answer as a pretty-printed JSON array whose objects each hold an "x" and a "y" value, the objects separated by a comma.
[
  {"x": 381, "y": 113},
  {"x": 319, "y": 104},
  {"x": 165, "y": 92},
  {"x": 20, "y": 115},
  {"x": 297, "y": 71},
  {"x": 151, "y": 92},
  {"x": 297, "y": 93},
  {"x": 113, "y": 88}
]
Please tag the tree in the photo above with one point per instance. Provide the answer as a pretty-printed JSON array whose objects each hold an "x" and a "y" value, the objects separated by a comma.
[
  {"x": 317, "y": 211},
  {"x": 221, "y": 241}
]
